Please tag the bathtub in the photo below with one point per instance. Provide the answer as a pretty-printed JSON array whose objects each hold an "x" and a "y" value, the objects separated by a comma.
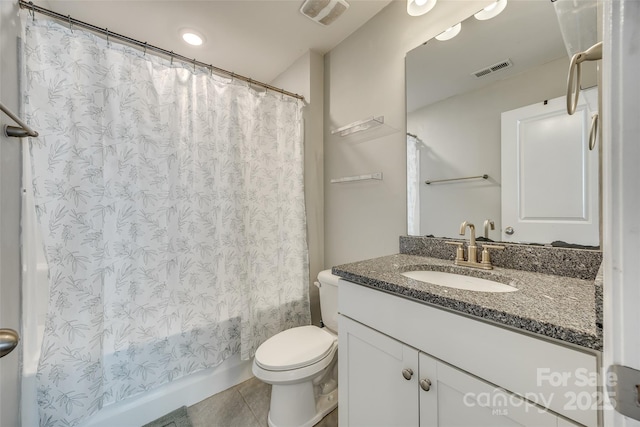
[
  {"x": 145, "y": 407},
  {"x": 134, "y": 411}
]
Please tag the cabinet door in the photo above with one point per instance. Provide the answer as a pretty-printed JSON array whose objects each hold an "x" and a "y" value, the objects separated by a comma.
[
  {"x": 456, "y": 398},
  {"x": 373, "y": 389}
]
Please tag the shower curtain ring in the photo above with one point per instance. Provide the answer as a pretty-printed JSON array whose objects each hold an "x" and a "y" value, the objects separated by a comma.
[
  {"x": 233, "y": 76},
  {"x": 194, "y": 65},
  {"x": 145, "y": 49},
  {"x": 33, "y": 11},
  {"x": 211, "y": 69},
  {"x": 282, "y": 92},
  {"x": 171, "y": 57},
  {"x": 249, "y": 84},
  {"x": 70, "y": 24},
  {"x": 107, "y": 31}
]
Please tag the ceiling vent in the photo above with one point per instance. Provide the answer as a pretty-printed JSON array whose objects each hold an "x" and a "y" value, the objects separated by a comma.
[
  {"x": 502, "y": 65},
  {"x": 323, "y": 11}
]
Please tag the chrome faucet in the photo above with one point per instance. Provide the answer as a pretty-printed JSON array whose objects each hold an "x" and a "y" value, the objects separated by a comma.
[
  {"x": 472, "y": 249},
  {"x": 488, "y": 223}
]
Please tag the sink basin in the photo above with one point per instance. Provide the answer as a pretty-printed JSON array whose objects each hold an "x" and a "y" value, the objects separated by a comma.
[{"x": 458, "y": 281}]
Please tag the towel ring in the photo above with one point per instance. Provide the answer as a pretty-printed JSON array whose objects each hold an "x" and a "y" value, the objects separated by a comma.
[
  {"x": 573, "y": 81},
  {"x": 593, "y": 131},
  {"x": 573, "y": 84}
]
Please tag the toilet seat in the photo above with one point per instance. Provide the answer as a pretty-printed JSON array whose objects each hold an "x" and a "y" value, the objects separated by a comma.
[{"x": 295, "y": 348}]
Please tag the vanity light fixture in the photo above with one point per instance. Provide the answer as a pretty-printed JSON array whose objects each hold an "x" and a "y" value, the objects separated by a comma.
[
  {"x": 419, "y": 7},
  {"x": 491, "y": 11},
  {"x": 192, "y": 37},
  {"x": 450, "y": 32}
]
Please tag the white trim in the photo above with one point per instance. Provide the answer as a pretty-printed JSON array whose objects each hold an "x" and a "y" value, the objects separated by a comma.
[{"x": 621, "y": 194}]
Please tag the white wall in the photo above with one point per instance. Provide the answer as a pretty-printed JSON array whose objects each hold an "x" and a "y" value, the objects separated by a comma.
[
  {"x": 305, "y": 77},
  {"x": 364, "y": 76},
  {"x": 10, "y": 181},
  {"x": 461, "y": 137}
]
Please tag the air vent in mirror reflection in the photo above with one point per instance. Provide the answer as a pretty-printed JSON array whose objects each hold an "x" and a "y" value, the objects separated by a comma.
[{"x": 502, "y": 65}]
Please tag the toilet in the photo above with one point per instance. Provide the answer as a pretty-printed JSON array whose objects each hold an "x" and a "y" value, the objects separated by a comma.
[{"x": 301, "y": 365}]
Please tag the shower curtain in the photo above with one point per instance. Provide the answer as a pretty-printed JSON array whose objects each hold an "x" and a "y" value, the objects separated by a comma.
[
  {"x": 413, "y": 185},
  {"x": 171, "y": 207}
]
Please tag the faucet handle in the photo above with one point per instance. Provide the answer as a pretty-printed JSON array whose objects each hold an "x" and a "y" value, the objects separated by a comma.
[
  {"x": 486, "y": 257},
  {"x": 459, "y": 250}
]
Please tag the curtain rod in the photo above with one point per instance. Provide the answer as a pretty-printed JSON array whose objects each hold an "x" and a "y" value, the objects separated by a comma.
[{"x": 147, "y": 47}]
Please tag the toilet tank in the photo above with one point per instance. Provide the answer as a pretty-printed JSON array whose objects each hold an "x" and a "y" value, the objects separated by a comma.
[{"x": 328, "y": 285}]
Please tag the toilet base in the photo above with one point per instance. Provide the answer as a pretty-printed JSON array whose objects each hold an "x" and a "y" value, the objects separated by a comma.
[{"x": 324, "y": 405}]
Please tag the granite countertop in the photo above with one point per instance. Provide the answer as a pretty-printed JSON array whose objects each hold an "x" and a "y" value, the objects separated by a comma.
[{"x": 558, "y": 307}]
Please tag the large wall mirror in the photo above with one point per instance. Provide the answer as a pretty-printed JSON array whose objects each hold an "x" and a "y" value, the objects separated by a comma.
[{"x": 457, "y": 93}]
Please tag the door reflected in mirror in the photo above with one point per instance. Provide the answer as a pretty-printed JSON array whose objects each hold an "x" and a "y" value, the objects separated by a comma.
[{"x": 457, "y": 91}]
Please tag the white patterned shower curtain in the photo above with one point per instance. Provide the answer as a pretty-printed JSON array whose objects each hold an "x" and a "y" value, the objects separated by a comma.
[
  {"x": 413, "y": 185},
  {"x": 172, "y": 212}
]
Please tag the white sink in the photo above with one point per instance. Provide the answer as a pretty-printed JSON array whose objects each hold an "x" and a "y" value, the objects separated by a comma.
[{"x": 458, "y": 281}]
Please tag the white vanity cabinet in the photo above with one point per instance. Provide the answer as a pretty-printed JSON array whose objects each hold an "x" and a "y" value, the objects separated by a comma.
[
  {"x": 388, "y": 383},
  {"x": 403, "y": 363}
]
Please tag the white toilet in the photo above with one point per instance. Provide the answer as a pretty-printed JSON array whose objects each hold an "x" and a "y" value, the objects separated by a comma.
[{"x": 301, "y": 365}]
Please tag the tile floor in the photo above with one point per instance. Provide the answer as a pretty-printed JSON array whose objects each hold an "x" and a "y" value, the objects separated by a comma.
[{"x": 245, "y": 405}]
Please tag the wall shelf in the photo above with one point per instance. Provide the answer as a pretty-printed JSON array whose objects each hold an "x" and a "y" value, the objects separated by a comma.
[
  {"x": 359, "y": 126},
  {"x": 366, "y": 129},
  {"x": 366, "y": 177}
]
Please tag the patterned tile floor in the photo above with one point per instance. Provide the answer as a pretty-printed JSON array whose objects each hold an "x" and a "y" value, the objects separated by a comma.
[{"x": 245, "y": 405}]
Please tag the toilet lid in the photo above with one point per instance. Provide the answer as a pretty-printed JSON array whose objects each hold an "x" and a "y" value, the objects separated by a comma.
[{"x": 294, "y": 348}]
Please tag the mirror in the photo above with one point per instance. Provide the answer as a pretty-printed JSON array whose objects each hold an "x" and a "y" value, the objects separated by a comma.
[{"x": 456, "y": 93}]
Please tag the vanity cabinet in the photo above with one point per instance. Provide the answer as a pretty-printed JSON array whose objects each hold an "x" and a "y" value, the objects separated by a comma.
[
  {"x": 389, "y": 383},
  {"x": 403, "y": 363}
]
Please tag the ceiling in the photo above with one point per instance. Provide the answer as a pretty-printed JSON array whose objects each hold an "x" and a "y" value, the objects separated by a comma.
[
  {"x": 256, "y": 38},
  {"x": 526, "y": 32}
]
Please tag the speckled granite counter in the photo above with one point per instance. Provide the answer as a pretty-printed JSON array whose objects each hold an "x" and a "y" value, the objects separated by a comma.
[{"x": 559, "y": 307}]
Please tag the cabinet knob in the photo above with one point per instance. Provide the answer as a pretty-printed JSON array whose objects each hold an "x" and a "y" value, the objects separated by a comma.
[
  {"x": 407, "y": 373},
  {"x": 425, "y": 384},
  {"x": 509, "y": 231}
]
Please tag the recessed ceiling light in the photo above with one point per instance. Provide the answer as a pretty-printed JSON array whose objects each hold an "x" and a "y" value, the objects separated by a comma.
[
  {"x": 192, "y": 38},
  {"x": 450, "y": 32},
  {"x": 491, "y": 11},
  {"x": 419, "y": 7}
]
